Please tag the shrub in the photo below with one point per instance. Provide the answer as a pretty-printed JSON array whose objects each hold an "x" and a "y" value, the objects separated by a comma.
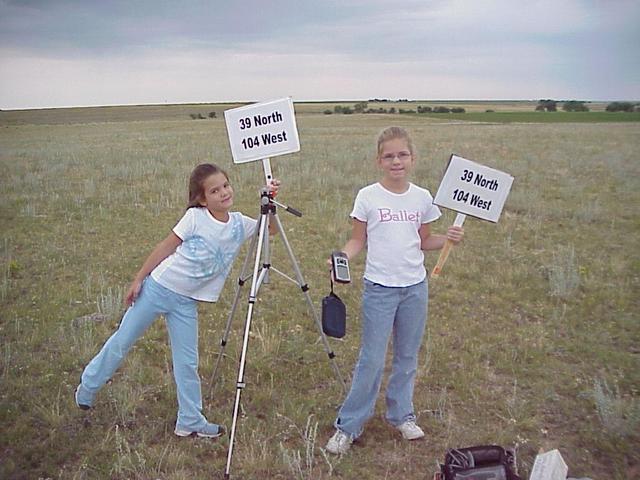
[
  {"x": 620, "y": 107},
  {"x": 341, "y": 109},
  {"x": 212, "y": 114},
  {"x": 458, "y": 110},
  {"x": 548, "y": 105},
  {"x": 574, "y": 106},
  {"x": 327, "y": 112},
  {"x": 441, "y": 110},
  {"x": 619, "y": 414},
  {"x": 360, "y": 107},
  {"x": 564, "y": 276}
]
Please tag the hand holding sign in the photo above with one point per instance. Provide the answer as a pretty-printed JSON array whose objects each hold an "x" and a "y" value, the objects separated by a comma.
[
  {"x": 446, "y": 249},
  {"x": 470, "y": 189}
]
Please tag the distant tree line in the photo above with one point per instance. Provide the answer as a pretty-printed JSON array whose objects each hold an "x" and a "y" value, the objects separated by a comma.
[
  {"x": 623, "y": 107},
  {"x": 374, "y": 100},
  {"x": 200, "y": 116},
  {"x": 363, "y": 107},
  {"x": 578, "y": 106}
]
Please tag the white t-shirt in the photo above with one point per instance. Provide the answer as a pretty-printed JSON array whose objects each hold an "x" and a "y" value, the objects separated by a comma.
[
  {"x": 201, "y": 263},
  {"x": 394, "y": 257}
]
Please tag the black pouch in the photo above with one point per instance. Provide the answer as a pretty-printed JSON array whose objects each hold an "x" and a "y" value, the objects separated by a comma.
[
  {"x": 486, "y": 462},
  {"x": 334, "y": 315}
]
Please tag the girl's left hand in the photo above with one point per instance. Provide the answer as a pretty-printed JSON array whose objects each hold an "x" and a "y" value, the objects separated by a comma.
[{"x": 455, "y": 234}]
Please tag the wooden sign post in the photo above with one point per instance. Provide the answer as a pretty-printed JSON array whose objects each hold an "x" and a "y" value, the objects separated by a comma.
[{"x": 470, "y": 189}]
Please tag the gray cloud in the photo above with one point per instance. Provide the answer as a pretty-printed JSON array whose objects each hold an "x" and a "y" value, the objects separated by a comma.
[{"x": 315, "y": 50}]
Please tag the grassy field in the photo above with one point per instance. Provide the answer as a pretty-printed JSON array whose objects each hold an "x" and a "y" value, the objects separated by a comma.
[{"x": 533, "y": 337}]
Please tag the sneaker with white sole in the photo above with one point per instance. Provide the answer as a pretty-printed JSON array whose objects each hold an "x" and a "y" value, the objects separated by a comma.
[
  {"x": 410, "y": 430},
  {"x": 84, "y": 399},
  {"x": 339, "y": 443},
  {"x": 208, "y": 430}
]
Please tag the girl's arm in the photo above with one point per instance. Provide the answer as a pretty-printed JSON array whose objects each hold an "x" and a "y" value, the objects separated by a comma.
[
  {"x": 358, "y": 239},
  {"x": 436, "y": 242},
  {"x": 165, "y": 248}
]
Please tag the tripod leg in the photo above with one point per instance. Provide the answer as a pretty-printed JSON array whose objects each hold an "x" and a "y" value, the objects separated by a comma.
[
  {"x": 240, "y": 385},
  {"x": 241, "y": 280},
  {"x": 305, "y": 290}
]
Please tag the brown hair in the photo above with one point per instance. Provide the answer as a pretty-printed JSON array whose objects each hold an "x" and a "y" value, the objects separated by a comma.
[
  {"x": 391, "y": 133},
  {"x": 196, "y": 181}
]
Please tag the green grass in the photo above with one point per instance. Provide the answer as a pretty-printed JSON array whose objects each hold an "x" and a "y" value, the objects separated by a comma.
[{"x": 533, "y": 327}]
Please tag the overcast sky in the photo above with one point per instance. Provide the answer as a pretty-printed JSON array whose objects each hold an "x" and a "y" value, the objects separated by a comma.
[{"x": 110, "y": 52}]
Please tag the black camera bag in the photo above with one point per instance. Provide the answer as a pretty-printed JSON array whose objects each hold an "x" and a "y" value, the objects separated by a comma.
[
  {"x": 334, "y": 315},
  {"x": 486, "y": 462}
]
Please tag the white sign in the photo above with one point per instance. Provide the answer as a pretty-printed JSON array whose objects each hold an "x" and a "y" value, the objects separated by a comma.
[
  {"x": 473, "y": 189},
  {"x": 549, "y": 466},
  {"x": 262, "y": 130}
]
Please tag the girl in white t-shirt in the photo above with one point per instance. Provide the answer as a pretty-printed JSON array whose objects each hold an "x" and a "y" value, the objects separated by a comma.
[
  {"x": 392, "y": 218},
  {"x": 190, "y": 264}
]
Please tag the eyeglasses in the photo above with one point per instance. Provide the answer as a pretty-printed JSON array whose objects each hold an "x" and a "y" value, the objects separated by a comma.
[{"x": 401, "y": 156}]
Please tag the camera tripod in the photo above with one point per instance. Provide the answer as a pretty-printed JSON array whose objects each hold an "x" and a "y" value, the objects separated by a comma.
[{"x": 261, "y": 267}]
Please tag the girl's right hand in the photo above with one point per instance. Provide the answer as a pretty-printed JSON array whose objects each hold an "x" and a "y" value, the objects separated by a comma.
[
  {"x": 274, "y": 186},
  {"x": 133, "y": 292}
]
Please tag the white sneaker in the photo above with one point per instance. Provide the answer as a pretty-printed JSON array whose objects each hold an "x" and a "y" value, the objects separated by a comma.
[
  {"x": 410, "y": 431},
  {"x": 339, "y": 443},
  {"x": 208, "y": 430}
]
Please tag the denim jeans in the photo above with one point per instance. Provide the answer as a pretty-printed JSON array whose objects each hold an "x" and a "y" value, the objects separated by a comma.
[
  {"x": 182, "y": 323},
  {"x": 387, "y": 312}
]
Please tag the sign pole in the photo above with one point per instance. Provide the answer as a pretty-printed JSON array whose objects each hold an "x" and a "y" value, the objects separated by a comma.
[{"x": 446, "y": 249}]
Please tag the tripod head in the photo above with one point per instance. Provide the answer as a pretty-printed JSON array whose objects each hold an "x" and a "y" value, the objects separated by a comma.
[{"x": 267, "y": 201}]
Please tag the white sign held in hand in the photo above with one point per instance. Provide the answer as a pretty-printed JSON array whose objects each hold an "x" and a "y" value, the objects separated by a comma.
[
  {"x": 473, "y": 189},
  {"x": 470, "y": 189}
]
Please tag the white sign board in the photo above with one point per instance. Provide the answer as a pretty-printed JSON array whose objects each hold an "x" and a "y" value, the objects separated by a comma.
[
  {"x": 473, "y": 189},
  {"x": 262, "y": 130},
  {"x": 549, "y": 466}
]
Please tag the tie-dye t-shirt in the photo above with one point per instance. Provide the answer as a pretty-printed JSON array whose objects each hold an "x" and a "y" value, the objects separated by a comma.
[{"x": 201, "y": 263}]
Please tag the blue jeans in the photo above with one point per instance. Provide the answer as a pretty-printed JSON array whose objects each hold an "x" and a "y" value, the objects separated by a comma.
[
  {"x": 182, "y": 323},
  {"x": 387, "y": 312}
]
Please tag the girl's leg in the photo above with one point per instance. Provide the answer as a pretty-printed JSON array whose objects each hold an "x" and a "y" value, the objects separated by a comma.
[
  {"x": 378, "y": 311},
  {"x": 134, "y": 323},
  {"x": 182, "y": 323},
  {"x": 407, "y": 336}
]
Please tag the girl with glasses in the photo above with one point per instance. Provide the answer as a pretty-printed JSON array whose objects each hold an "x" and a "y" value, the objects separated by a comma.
[{"x": 391, "y": 218}]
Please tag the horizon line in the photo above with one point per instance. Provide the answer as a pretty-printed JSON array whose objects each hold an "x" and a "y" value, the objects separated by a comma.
[{"x": 247, "y": 102}]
